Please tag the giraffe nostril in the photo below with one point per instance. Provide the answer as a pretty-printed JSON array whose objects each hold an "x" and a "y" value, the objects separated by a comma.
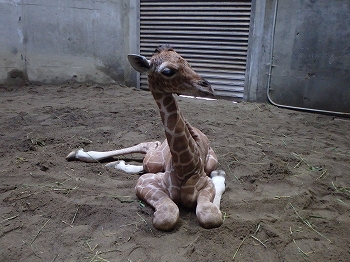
[{"x": 204, "y": 83}]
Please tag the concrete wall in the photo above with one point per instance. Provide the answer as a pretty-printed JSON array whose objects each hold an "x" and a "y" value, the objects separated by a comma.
[
  {"x": 259, "y": 50},
  {"x": 305, "y": 41},
  {"x": 307, "y": 45},
  {"x": 53, "y": 41},
  {"x": 311, "y": 55}
]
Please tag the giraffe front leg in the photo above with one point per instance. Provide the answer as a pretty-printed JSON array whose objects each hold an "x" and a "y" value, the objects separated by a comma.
[
  {"x": 208, "y": 213},
  {"x": 150, "y": 189}
]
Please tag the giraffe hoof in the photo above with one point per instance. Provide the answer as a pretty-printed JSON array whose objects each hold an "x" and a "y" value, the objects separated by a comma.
[{"x": 73, "y": 155}]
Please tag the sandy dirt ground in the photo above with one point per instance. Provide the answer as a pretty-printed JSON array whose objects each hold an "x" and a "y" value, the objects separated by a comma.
[{"x": 288, "y": 180}]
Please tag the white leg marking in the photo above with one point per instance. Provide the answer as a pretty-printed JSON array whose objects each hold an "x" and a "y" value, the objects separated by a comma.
[
  {"x": 218, "y": 178},
  {"x": 95, "y": 156},
  {"x": 80, "y": 154},
  {"x": 120, "y": 165}
]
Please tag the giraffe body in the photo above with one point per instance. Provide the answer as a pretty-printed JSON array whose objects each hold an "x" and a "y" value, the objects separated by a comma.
[{"x": 181, "y": 170}]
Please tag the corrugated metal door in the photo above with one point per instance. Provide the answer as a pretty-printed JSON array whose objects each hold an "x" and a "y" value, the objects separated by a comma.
[{"x": 211, "y": 35}]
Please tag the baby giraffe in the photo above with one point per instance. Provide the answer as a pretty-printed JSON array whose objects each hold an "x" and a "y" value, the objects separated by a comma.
[{"x": 181, "y": 170}]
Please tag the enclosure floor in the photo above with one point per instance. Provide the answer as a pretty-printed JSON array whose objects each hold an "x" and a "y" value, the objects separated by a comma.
[{"x": 288, "y": 182}]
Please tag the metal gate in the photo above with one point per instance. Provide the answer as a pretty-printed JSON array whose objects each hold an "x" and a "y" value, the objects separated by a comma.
[{"x": 212, "y": 36}]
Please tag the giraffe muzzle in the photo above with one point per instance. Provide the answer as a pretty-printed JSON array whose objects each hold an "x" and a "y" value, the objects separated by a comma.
[{"x": 205, "y": 89}]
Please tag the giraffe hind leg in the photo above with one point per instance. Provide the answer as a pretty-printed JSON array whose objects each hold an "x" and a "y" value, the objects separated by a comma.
[
  {"x": 120, "y": 165},
  {"x": 96, "y": 156},
  {"x": 218, "y": 178}
]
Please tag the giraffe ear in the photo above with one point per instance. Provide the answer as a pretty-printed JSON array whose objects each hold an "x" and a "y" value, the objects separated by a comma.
[{"x": 139, "y": 63}]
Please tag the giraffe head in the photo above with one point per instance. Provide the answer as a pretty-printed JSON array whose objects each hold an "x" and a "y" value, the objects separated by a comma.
[{"x": 168, "y": 73}]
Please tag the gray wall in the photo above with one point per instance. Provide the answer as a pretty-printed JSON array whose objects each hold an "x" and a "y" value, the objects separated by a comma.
[
  {"x": 300, "y": 54},
  {"x": 259, "y": 50},
  {"x": 53, "y": 41},
  {"x": 311, "y": 55}
]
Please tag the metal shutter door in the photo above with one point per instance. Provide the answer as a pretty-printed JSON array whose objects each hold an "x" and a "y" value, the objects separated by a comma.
[{"x": 211, "y": 36}]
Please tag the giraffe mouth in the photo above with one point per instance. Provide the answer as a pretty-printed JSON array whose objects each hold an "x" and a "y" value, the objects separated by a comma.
[{"x": 201, "y": 88}]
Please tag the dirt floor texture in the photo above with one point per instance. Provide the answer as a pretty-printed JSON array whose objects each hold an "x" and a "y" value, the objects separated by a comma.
[{"x": 288, "y": 180}]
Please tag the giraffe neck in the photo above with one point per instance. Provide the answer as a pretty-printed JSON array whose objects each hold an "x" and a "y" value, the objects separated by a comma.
[{"x": 183, "y": 147}]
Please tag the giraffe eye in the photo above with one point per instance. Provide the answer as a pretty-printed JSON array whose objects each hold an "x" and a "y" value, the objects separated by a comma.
[{"x": 168, "y": 72}]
